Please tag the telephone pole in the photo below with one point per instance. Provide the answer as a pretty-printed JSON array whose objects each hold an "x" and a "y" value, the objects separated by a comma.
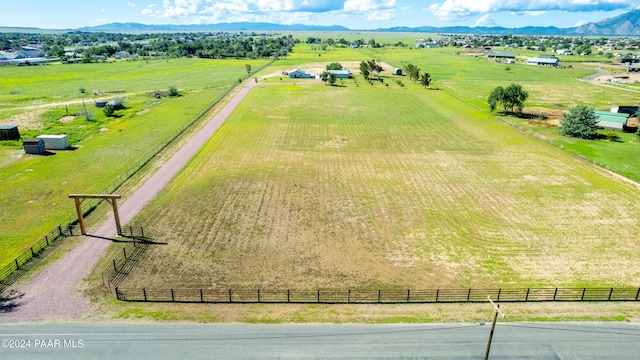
[{"x": 493, "y": 325}]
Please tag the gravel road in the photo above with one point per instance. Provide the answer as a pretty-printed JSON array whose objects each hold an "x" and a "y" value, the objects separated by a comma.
[{"x": 55, "y": 293}]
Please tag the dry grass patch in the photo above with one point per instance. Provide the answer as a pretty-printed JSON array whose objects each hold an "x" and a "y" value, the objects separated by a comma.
[{"x": 411, "y": 190}]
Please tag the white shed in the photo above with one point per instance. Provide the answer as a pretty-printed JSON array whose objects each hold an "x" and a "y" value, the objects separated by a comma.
[{"x": 55, "y": 142}]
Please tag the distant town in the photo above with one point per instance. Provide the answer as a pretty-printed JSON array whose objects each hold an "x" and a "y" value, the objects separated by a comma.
[{"x": 84, "y": 47}]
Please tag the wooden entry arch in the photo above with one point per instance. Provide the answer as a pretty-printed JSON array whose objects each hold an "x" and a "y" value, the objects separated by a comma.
[{"x": 107, "y": 197}]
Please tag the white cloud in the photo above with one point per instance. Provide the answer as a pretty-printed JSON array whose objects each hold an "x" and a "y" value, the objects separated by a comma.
[
  {"x": 281, "y": 11},
  {"x": 149, "y": 10},
  {"x": 580, "y": 23},
  {"x": 485, "y": 20},
  {"x": 451, "y": 10},
  {"x": 131, "y": 5}
]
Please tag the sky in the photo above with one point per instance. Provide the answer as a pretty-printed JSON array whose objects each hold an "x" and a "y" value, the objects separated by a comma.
[{"x": 353, "y": 14}]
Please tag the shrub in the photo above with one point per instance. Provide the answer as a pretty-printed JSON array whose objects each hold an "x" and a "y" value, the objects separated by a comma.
[
  {"x": 581, "y": 122},
  {"x": 172, "y": 91},
  {"x": 109, "y": 110}
]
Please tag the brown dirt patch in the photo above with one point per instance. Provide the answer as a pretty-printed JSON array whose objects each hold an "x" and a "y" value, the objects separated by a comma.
[
  {"x": 67, "y": 119},
  {"x": 543, "y": 117},
  {"x": 29, "y": 120}
]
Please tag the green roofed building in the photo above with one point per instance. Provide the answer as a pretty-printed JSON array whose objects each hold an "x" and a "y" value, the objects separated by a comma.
[{"x": 611, "y": 121}]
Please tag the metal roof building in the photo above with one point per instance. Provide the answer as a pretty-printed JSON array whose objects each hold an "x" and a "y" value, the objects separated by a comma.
[
  {"x": 543, "y": 61},
  {"x": 611, "y": 121}
]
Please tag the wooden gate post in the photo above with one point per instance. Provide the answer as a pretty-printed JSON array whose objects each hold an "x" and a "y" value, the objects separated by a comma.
[{"x": 108, "y": 197}]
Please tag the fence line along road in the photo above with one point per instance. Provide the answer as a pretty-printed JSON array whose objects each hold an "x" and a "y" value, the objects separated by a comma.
[
  {"x": 373, "y": 296},
  {"x": 118, "y": 269}
]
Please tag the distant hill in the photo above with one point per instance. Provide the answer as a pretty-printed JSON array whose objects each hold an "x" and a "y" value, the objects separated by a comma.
[
  {"x": 529, "y": 30},
  {"x": 625, "y": 24},
  {"x": 236, "y": 26}
]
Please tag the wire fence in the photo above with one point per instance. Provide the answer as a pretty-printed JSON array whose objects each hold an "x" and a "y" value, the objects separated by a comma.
[
  {"x": 33, "y": 255},
  {"x": 23, "y": 262},
  {"x": 246, "y": 296},
  {"x": 121, "y": 266}
]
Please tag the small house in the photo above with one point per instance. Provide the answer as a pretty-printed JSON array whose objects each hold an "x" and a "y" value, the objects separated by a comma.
[
  {"x": 397, "y": 71},
  {"x": 300, "y": 74},
  {"x": 9, "y": 132},
  {"x": 34, "y": 146},
  {"x": 55, "y": 142},
  {"x": 340, "y": 74}
]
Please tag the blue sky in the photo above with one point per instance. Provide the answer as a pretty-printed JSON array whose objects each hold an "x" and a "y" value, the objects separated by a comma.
[{"x": 354, "y": 14}]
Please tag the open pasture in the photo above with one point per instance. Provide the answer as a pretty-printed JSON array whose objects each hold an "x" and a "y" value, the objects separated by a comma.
[
  {"x": 35, "y": 188},
  {"x": 375, "y": 187}
]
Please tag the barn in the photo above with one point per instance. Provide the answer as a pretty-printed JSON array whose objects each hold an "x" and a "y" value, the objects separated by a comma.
[
  {"x": 397, "y": 71},
  {"x": 34, "y": 146},
  {"x": 9, "y": 132},
  {"x": 543, "y": 61},
  {"x": 55, "y": 142},
  {"x": 501, "y": 55}
]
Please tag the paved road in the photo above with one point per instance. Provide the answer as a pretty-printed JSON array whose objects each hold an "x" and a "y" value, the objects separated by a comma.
[
  {"x": 54, "y": 294},
  {"x": 229, "y": 341}
]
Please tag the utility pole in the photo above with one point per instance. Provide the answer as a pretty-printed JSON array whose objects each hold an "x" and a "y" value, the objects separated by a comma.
[{"x": 493, "y": 326}]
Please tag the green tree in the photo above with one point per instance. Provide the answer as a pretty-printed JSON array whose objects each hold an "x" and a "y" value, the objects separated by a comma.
[
  {"x": 364, "y": 69},
  {"x": 425, "y": 79},
  {"x": 172, "y": 91},
  {"x": 413, "y": 72},
  {"x": 512, "y": 98},
  {"x": 328, "y": 78},
  {"x": 581, "y": 122},
  {"x": 334, "y": 66},
  {"x": 109, "y": 110},
  {"x": 248, "y": 68}
]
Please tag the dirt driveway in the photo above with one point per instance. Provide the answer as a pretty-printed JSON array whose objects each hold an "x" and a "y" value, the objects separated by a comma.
[{"x": 55, "y": 293}]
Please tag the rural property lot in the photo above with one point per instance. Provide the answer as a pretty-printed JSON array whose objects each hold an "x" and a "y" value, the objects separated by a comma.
[{"x": 385, "y": 187}]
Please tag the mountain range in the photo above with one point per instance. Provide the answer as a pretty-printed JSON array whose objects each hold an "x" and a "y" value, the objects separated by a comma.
[{"x": 623, "y": 25}]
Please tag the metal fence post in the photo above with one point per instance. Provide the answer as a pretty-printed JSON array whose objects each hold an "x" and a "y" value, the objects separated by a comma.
[
  {"x": 408, "y": 295},
  {"x": 124, "y": 251},
  {"x": 288, "y": 296},
  {"x": 469, "y": 295},
  {"x": 349, "y": 297},
  {"x": 172, "y": 296},
  {"x": 201, "y": 297},
  {"x": 554, "y": 294},
  {"x": 230, "y": 300},
  {"x": 114, "y": 265},
  {"x": 17, "y": 266},
  {"x": 610, "y": 293},
  {"x": 144, "y": 293},
  {"x": 258, "y": 295},
  {"x": 638, "y": 294},
  {"x": 583, "y": 291},
  {"x": 527, "y": 297},
  {"x": 379, "y": 291},
  {"x": 437, "y": 294},
  {"x": 318, "y": 296},
  {"x": 32, "y": 253},
  {"x": 499, "y": 291}
]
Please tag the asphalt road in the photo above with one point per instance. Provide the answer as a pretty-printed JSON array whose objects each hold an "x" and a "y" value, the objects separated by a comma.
[{"x": 319, "y": 341}]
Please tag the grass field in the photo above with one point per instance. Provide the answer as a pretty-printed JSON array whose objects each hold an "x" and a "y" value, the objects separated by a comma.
[
  {"x": 35, "y": 188},
  {"x": 385, "y": 187}
]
